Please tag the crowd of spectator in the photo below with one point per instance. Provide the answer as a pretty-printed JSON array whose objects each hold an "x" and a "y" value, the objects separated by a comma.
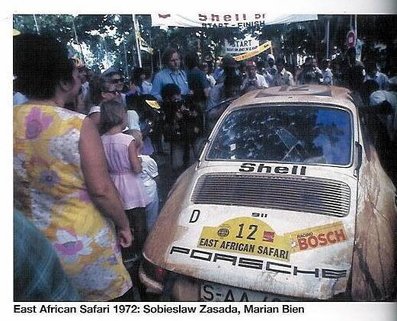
[{"x": 89, "y": 184}]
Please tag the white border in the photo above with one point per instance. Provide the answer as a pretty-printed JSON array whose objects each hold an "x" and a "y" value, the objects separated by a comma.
[
  {"x": 318, "y": 311},
  {"x": 149, "y": 6}
]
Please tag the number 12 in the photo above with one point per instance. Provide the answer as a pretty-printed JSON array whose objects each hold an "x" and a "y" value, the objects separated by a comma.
[{"x": 253, "y": 228}]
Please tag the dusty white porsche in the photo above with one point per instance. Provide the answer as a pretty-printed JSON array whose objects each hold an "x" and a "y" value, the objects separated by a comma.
[{"x": 288, "y": 202}]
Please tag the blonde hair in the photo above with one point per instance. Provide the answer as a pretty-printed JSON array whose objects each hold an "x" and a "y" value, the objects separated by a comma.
[{"x": 112, "y": 114}]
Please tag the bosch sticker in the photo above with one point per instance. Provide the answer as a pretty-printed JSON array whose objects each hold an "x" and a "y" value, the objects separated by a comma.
[{"x": 317, "y": 237}]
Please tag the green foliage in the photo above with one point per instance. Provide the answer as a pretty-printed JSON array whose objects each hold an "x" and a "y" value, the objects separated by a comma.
[{"x": 110, "y": 40}]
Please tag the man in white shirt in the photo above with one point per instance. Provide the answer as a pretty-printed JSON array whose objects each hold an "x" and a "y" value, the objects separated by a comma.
[
  {"x": 253, "y": 80},
  {"x": 271, "y": 70},
  {"x": 379, "y": 98},
  {"x": 385, "y": 101},
  {"x": 373, "y": 73},
  {"x": 282, "y": 77}
]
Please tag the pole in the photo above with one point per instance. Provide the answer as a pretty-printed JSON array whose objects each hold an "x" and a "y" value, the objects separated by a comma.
[
  {"x": 151, "y": 56},
  {"x": 105, "y": 47},
  {"x": 35, "y": 23},
  {"x": 137, "y": 39},
  {"x": 125, "y": 58},
  {"x": 327, "y": 36},
  {"x": 77, "y": 40},
  {"x": 355, "y": 25}
]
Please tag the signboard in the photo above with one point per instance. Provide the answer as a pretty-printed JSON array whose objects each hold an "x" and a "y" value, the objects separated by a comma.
[
  {"x": 232, "y": 19},
  {"x": 351, "y": 39},
  {"x": 253, "y": 53},
  {"x": 240, "y": 46}
]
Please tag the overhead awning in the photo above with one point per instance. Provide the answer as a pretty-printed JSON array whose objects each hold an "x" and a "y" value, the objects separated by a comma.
[
  {"x": 274, "y": 19},
  {"x": 233, "y": 19}
]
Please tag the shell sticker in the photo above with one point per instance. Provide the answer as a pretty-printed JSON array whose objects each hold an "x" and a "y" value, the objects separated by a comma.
[{"x": 254, "y": 237}]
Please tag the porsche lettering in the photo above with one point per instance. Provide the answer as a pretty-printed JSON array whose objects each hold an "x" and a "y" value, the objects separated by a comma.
[
  {"x": 256, "y": 264},
  {"x": 263, "y": 168}
]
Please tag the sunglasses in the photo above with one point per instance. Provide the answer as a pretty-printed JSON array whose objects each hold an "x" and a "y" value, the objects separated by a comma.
[
  {"x": 114, "y": 92},
  {"x": 116, "y": 81}
]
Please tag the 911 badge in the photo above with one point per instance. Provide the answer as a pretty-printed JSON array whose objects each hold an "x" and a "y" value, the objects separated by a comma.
[{"x": 255, "y": 237}]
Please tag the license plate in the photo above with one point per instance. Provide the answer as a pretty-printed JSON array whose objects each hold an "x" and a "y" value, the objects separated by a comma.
[{"x": 222, "y": 293}]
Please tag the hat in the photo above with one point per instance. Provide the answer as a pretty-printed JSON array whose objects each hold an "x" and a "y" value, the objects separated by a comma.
[
  {"x": 229, "y": 61},
  {"x": 251, "y": 63},
  {"x": 270, "y": 56}
]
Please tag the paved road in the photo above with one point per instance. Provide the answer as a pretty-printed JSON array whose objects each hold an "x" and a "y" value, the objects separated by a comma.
[{"x": 168, "y": 175}]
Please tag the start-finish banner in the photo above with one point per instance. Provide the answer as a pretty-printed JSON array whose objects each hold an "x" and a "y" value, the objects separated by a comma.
[
  {"x": 216, "y": 20},
  {"x": 241, "y": 45},
  {"x": 253, "y": 53}
]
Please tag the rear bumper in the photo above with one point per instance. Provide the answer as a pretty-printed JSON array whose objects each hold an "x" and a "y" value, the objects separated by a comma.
[
  {"x": 177, "y": 287},
  {"x": 185, "y": 289},
  {"x": 151, "y": 285}
]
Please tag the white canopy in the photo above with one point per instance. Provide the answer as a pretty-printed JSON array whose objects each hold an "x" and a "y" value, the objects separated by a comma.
[{"x": 233, "y": 19}]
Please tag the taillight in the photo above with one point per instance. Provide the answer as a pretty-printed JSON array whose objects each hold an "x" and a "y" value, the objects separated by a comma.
[{"x": 153, "y": 271}]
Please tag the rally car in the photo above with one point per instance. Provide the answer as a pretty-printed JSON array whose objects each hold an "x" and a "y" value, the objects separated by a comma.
[{"x": 288, "y": 202}]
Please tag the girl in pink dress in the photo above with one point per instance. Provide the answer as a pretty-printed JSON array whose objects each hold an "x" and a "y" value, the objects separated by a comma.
[{"x": 124, "y": 167}]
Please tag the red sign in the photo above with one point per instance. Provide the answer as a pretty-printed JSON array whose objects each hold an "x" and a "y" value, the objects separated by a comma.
[{"x": 268, "y": 236}]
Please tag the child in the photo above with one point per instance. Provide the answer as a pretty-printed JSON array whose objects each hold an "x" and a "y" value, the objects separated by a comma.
[
  {"x": 124, "y": 167},
  {"x": 149, "y": 176}
]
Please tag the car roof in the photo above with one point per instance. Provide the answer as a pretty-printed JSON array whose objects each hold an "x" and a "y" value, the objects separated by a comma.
[{"x": 310, "y": 94}]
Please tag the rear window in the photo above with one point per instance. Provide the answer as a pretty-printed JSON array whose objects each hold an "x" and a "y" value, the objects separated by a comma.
[{"x": 296, "y": 134}]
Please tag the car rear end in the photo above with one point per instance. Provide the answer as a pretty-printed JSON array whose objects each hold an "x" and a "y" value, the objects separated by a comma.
[{"x": 269, "y": 212}]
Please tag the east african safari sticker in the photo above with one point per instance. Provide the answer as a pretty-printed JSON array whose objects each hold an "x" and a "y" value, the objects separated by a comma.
[
  {"x": 245, "y": 235},
  {"x": 254, "y": 237}
]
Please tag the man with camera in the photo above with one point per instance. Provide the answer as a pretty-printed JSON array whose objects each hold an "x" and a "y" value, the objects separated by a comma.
[
  {"x": 253, "y": 80},
  {"x": 182, "y": 126}
]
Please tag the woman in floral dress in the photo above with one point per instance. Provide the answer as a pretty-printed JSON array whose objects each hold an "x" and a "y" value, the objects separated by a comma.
[{"x": 60, "y": 174}]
